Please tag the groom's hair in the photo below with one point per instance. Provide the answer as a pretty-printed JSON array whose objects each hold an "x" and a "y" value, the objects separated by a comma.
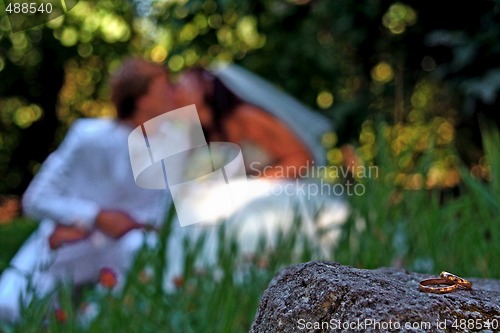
[{"x": 130, "y": 82}]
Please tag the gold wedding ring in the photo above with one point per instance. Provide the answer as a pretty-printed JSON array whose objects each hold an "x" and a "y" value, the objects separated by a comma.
[
  {"x": 446, "y": 284},
  {"x": 456, "y": 279},
  {"x": 425, "y": 286}
]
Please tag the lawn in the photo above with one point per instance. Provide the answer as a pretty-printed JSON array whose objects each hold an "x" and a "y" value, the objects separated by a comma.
[{"x": 12, "y": 236}]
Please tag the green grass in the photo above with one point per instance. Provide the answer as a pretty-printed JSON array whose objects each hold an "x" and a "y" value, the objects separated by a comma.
[
  {"x": 12, "y": 235},
  {"x": 425, "y": 230},
  {"x": 221, "y": 297},
  {"x": 420, "y": 230}
]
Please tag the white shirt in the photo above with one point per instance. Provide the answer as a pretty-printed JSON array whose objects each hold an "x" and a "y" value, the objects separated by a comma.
[{"x": 89, "y": 172}]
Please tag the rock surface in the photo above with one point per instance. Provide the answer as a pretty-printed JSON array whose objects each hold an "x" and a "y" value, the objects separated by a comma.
[{"x": 329, "y": 297}]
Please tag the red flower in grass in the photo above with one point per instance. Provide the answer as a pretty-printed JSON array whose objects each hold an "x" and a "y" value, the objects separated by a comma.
[
  {"x": 107, "y": 277},
  {"x": 61, "y": 315}
]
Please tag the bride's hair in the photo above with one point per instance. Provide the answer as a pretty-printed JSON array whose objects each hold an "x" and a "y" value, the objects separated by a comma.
[{"x": 221, "y": 100}]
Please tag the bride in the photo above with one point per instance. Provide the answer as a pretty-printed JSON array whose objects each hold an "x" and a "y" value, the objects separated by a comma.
[{"x": 279, "y": 139}]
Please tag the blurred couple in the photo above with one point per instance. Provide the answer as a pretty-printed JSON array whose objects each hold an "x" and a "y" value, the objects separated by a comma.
[
  {"x": 93, "y": 214},
  {"x": 264, "y": 139}
]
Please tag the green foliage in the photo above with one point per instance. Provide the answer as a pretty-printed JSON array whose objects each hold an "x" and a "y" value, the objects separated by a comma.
[
  {"x": 419, "y": 229},
  {"x": 219, "y": 296},
  {"x": 352, "y": 59},
  {"x": 11, "y": 237},
  {"x": 471, "y": 66},
  {"x": 422, "y": 229},
  {"x": 398, "y": 76}
]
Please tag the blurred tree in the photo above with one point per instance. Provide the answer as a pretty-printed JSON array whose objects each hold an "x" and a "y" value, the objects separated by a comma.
[
  {"x": 29, "y": 87},
  {"x": 400, "y": 61},
  {"x": 36, "y": 64},
  {"x": 463, "y": 47}
]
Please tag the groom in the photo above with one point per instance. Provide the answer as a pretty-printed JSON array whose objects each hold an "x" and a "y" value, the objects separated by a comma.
[{"x": 85, "y": 196}]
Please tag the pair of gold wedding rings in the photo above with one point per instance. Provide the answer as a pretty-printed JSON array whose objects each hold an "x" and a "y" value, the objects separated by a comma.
[{"x": 450, "y": 281}]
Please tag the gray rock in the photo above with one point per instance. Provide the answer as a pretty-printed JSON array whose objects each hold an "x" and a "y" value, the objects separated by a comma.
[{"x": 329, "y": 297}]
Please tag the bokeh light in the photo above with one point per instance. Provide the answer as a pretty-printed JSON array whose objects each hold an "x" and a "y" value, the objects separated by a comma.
[
  {"x": 398, "y": 17},
  {"x": 382, "y": 72},
  {"x": 324, "y": 99}
]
